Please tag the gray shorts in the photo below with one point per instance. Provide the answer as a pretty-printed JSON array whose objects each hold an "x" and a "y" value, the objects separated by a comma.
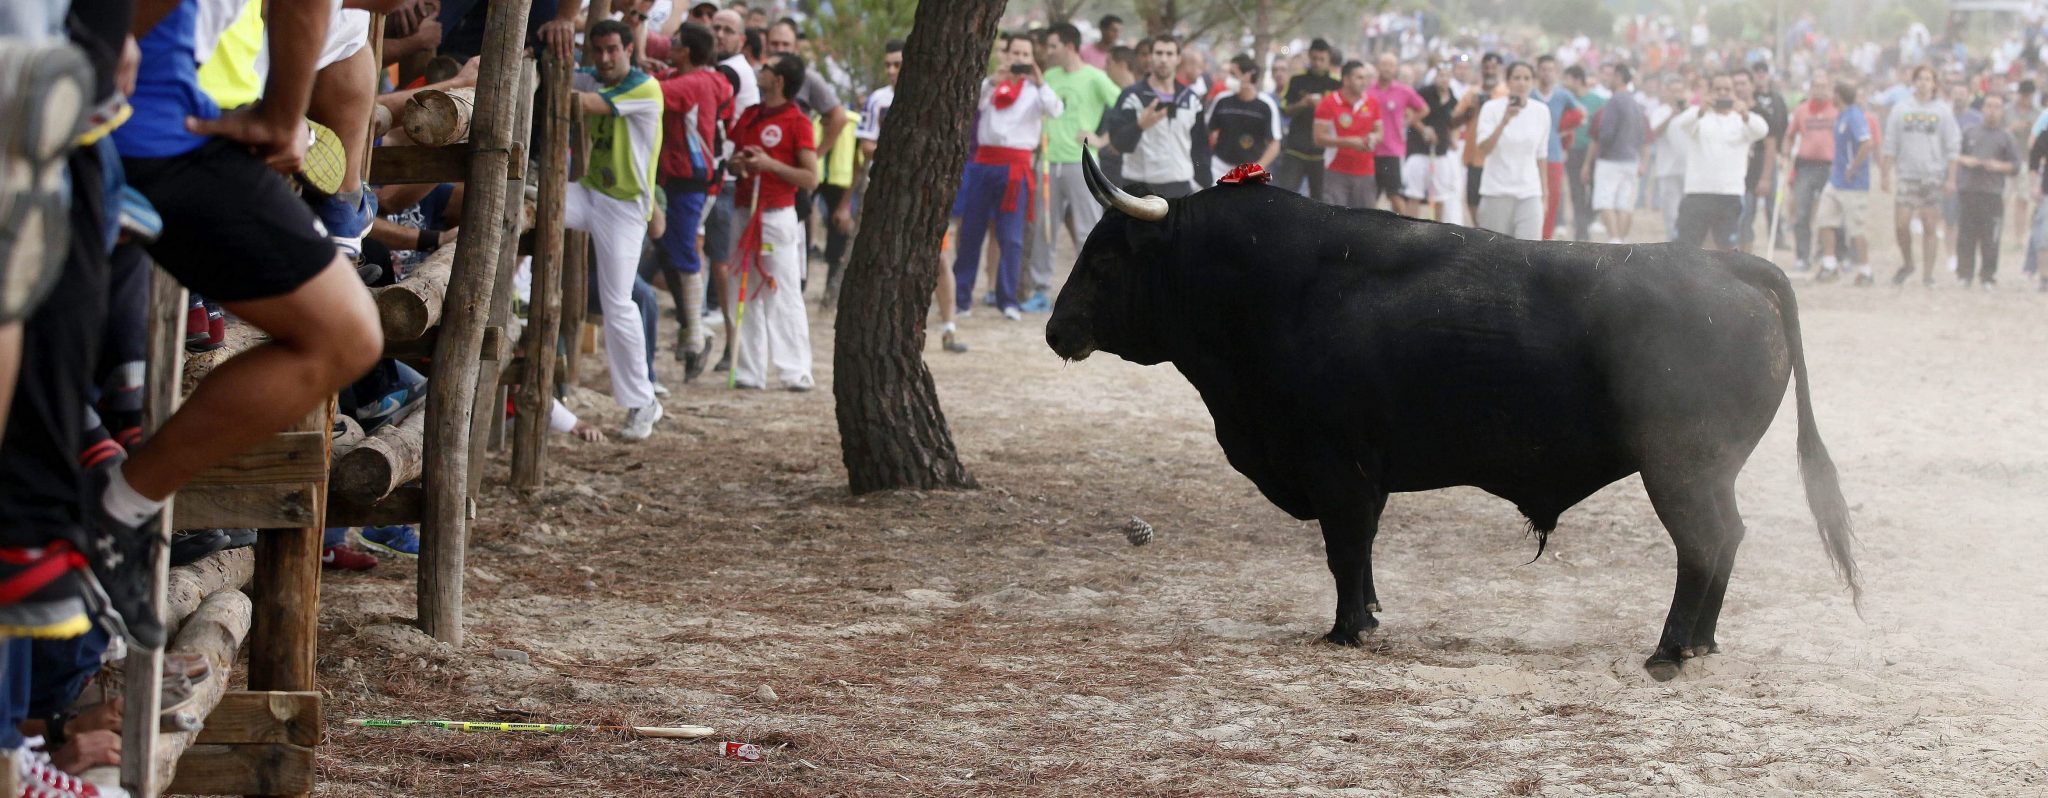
[
  {"x": 719, "y": 235},
  {"x": 1350, "y": 191}
]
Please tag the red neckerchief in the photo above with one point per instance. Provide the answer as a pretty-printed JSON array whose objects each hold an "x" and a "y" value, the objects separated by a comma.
[{"x": 1007, "y": 92}]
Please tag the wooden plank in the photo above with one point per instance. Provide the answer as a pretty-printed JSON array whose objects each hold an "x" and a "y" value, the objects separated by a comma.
[
  {"x": 452, "y": 392},
  {"x": 284, "y": 458},
  {"x": 403, "y": 506},
  {"x": 268, "y": 769},
  {"x": 142, "y": 692},
  {"x": 246, "y": 506},
  {"x": 544, "y": 308},
  {"x": 264, "y": 716},
  {"x": 396, "y": 164},
  {"x": 285, "y": 635}
]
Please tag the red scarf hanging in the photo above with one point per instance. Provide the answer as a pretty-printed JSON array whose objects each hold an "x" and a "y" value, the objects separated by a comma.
[{"x": 1007, "y": 93}]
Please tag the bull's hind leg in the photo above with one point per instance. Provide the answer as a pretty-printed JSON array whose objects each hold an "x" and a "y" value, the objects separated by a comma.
[
  {"x": 1691, "y": 509},
  {"x": 1729, "y": 518},
  {"x": 1348, "y": 530}
]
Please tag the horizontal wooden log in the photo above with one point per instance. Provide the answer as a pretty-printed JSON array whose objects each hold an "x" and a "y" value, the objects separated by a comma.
[
  {"x": 403, "y": 506},
  {"x": 397, "y": 165},
  {"x": 422, "y": 348},
  {"x": 380, "y": 121},
  {"x": 240, "y": 337},
  {"x": 389, "y": 457},
  {"x": 247, "y": 506},
  {"x": 412, "y": 306},
  {"x": 437, "y": 117},
  {"x": 191, "y": 584},
  {"x": 260, "y": 716},
  {"x": 268, "y": 769},
  {"x": 216, "y": 631}
]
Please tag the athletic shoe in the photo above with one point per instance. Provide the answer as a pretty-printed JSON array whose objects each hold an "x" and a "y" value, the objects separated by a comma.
[
  {"x": 347, "y": 220},
  {"x": 123, "y": 559},
  {"x": 1012, "y": 313},
  {"x": 1827, "y": 275},
  {"x": 989, "y": 299},
  {"x": 961, "y": 313},
  {"x": 1989, "y": 284},
  {"x": 1800, "y": 265},
  {"x": 343, "y": 558},
  {"x": 1963, "y": 282},
  {"x": 640, "y": 421},
  {"x": 40, "y": 777},
  {"x": 198, "y": 334},
  {"x": 190, "y": 547},
  {"x": 1865, "y": 279},
  {"x": 1899, "y": 277},
  {"x": 139, "y": 219},
  {"x": 694, "y": 362},
  {"x": 326, "y": 161},
  {"x": 398, "y": 541},
  {"x": 44, "y": 99},
  {"x": 102, "y": 452},
  {"x": 659, "y": 389},
  {"x": 41, "y": 592},
  {"x": 412, "y": 387},
  {"x": 801, "y": 387},
  {"x": 951, "y": 344},
  {"x": 1038, "y": 303},
  {"x": 216, "y": 327},
  {"x": 724, "y": 362}
]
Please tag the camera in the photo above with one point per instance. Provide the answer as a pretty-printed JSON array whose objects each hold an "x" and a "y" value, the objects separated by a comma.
[
  {"x": 1723, "y": 103},
  {"x": 1020, "y": 69}
]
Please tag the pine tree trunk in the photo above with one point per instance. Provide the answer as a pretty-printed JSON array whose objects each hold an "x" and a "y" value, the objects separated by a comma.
[{"x": 892, "y": 434}]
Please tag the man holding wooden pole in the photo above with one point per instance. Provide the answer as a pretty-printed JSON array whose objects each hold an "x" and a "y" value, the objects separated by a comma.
[{"x": 613, "y": 202}]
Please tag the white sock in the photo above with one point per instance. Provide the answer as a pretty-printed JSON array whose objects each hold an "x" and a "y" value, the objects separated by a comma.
[
  {"x": 949, "y": 327},
  {"x": 1828, "y": 263},
  {"x": 1863, "y": 268},
  {"x": 123, "y": 504}
]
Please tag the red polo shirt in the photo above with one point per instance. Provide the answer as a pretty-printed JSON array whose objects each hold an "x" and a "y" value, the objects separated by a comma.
[
  {"x": 1350, "y": 119},
  {"x": 781, "y": 132}
]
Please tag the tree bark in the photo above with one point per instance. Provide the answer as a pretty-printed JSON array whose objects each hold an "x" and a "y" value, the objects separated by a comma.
[{"x": 892, "y": 433}]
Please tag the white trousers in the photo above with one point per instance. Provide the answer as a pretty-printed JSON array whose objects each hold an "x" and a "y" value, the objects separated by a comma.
[
  {"x": 617, "y": 229},
  {"x": 775, "y": 333}
]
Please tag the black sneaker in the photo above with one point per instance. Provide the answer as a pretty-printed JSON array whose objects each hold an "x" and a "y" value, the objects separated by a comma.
[
  {"x": 190, "y": 547},
  {"x": 123, "y": 574},
  {"x": 694, "y": 362},
  {"x": 724, "y": 363},
  {"x": 1899, "y": 277}
]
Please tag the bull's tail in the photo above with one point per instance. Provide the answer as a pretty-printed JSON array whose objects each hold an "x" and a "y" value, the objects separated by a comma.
[{"x": 1816, "y": 468}]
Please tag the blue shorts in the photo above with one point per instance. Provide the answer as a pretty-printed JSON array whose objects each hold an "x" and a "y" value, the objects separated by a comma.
[{"x": 679, "y": 240}]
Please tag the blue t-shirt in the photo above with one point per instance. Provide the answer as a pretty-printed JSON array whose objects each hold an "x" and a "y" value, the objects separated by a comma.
[
  {"x": 1559, "y": 101},
  {"x": 1852, "y": 128},
  {"x": 166, "y": 91}
]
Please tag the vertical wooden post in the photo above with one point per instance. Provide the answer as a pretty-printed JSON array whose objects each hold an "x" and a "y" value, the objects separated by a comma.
[
  {"x": 462, "y": 327},
  {"x": 284, "y": 629},
  {"x": 544, "y": 308},
  {"x": 144, "y": 669},
  {"x": 490, "y": 402}
]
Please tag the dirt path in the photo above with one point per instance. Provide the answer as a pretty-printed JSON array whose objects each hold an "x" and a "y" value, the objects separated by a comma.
[{"x": 1010, "y": 642}]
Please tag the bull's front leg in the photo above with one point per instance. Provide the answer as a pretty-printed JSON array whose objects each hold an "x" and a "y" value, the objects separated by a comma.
[{"x": 1347, "y": 542}]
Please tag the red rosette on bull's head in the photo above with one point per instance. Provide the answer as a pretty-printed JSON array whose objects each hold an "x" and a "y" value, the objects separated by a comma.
[{"x": 1246, "y": 173}]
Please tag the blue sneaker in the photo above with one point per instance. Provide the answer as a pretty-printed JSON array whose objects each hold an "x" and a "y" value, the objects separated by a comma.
[
  {"x": 1037, "y": 304},
  {"x": 394, "y": 540},
  {"x": 411, "y": 387},
  {"x": 347, "y": 219}
]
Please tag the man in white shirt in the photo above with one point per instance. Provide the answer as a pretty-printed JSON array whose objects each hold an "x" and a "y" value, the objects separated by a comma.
[
  {"x": 1718, "y": 135},
  {"x": 1667, "y": 153},
  {"x": 999, "y": 185}
]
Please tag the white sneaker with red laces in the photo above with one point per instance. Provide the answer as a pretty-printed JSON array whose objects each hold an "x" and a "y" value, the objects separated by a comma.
[{"x": 40, "y": 777}]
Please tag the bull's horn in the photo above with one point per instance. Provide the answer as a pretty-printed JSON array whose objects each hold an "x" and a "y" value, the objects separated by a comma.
[{"x": 1150, "y": 209}]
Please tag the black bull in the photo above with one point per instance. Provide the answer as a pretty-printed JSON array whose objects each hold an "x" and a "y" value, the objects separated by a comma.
[{"x": 1346, "y": 355}]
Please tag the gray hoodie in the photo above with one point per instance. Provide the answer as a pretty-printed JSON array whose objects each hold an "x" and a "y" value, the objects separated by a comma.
[{"x": 1922, "y": 138}]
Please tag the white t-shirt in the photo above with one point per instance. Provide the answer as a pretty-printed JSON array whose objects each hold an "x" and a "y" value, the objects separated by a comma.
[
  {"x": 748, "y": 94},
  {"x": 1511, "y": 167},
  {"x": 870, "y": 127},
  {"x": 1717, "y": 156},
  {"x": 1667, "y": 152}
]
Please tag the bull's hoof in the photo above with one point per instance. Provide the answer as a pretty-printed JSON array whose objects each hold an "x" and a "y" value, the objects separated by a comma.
[
  {"x": 1661, "y": 669},
  {"x": 1702, "y": 649},
  {"x": 1346, "y": 639},
  {"x": 1351, "y": 635},
  {"x": 1372, "y": 606}
]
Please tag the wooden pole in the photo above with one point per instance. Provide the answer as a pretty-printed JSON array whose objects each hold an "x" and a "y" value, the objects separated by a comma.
[
  {"x": 544, "y": 306},
  {"x": 145, "y": 669},
  {"x": 286, "y": 631},
  {"x": 451, "y": 391},
  {"x": 490, "y": 402}
]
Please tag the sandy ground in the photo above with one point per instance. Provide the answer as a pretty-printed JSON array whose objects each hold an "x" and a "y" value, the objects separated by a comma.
[{"x": 1009, "y": 641}]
